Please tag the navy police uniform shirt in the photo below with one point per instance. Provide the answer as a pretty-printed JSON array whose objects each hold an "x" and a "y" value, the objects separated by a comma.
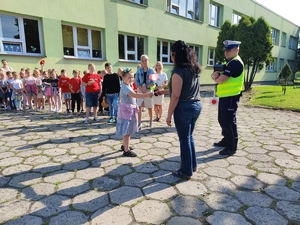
[{"x": 234, "y": 69}]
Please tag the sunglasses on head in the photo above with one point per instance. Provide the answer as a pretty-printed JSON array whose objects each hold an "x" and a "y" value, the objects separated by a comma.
[{"x": 126, "y": 70}]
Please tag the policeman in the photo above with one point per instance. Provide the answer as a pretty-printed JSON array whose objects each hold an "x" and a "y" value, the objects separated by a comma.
[{"x": 229, "y": 86}]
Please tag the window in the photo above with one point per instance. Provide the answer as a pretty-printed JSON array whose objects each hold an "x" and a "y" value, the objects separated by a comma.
[
  {"x": 186, "y": 8},
  {"x": 211, "y": 56},
  {"x": 275, "y": 36},
  {"x": 137, "y": 1},
  {"x": 236, "y": 18},
  {"x": 197, "y": 51},
  {"x": 293, "y": 42},
  {"x": 271, "y": 67},
  {"x": 281, "y": 63},
  {"x": 130, "y": 47},
  {"x": 292, "y": 64},
  {"x": 164, "y": 51},
  {"x": 283, "y": 39},
  {"x": 80, "y": 42},
  {"x": 214, "y": 19},
  {"x": 20, "y": 35}
]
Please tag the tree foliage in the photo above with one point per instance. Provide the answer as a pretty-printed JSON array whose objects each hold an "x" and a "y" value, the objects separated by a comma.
[
  {"x": 285, "y": 76},
  {"x": 256, "y": 44},
  {"x": 298, "y": 60}
]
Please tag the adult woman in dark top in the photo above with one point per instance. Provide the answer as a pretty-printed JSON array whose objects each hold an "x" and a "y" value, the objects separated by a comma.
[
  {"x": 111, "y": 89},
  {"x": 185, "y": 104}
]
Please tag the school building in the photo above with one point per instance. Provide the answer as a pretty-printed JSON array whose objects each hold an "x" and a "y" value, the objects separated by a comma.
[{"x": 70, "y": 34}]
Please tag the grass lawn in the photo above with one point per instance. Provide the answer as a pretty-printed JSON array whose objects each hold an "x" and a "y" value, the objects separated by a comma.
[{"x": 272, "y": 96}]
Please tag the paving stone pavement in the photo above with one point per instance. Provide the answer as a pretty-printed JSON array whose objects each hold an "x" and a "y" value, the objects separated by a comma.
[{"x": 56, "y": 170}]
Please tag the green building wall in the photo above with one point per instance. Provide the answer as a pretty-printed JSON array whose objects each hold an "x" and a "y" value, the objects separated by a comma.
[{"x": 151, "y": 21}]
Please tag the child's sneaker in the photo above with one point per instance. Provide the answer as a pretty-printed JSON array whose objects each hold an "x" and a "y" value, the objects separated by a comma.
[
  {"x": 129, "y": 154},
  {"x": 96, "y": 119},
  {"x": 86, "y": 121},
  {"x": 111, "y": 120}
]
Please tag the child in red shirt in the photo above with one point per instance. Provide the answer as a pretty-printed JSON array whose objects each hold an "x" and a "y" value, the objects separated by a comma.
[
  {"x": 93, "y": 90},
  {"x": 74, "y": 85},
  {"x": 63, "y": 83}
]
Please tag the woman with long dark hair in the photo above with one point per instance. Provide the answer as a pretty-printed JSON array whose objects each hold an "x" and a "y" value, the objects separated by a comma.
[{"x": 185, "y": 104}]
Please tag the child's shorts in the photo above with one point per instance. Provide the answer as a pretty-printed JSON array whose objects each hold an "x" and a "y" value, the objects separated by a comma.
[
  {"x": 40, "y": 95},
  {"x": 48, "y": 92},
  {"x": 67, "y": 95}
]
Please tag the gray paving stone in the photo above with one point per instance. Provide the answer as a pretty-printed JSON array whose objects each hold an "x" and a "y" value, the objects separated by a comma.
[
  {"x": 137, "y": 179},
  {"x": 55, "y": 151},
  {"x": 107, "y": 215},
  {"x": 292, "y": 174},
  {"x": 287, "y": 163},
  {"x": 13, "y": 209},
  {"x": 73, "y": 187},
  {"x": 38, "y": 191},
  {"x": 225, "y": 218},
  {"x": 271, "y": 179},
  {"x": 38, "y": 159},
  {"x": 90, "y": 173},
  {"x": 126, "y": 195},
  {"x": 296, "y": 186},
  {"x": 260, "y": 157},
  {"x": 164, "y": 177},
  {"x": 4, "y": 180},
  {"x": 194, "y": 188},
  {"x": 219, "y": 201},
  {"x": 26, "y": 179},
  {"x": 47, "y": 167},
  {"x": 183, "y": 220},
  {"x": 282, "y": 193},
  {"x": 238, "y": 160},
  {"x": 247, "y": 182},
  {"x": 254, "y": 198},
  {"x": 8, "y": 194},
  {"x": 76, "y": 165},
  {"x": 220, "y": 185},
  {"x": 189, "y": 206},
  {"x": 16, "y": 169},
  {"x": 241, "y": 170},
  {"x": 167, "y": 165},
  {"x": 106, "y": 183},
  {"x": 217, "y": 172},
  {"x": 159, "y": 191},
  {"x": 59, "y": 176},
  {"x": 264, "y": 216},
  {"x": 289, "y": 209},
  {"x": 146, "y": 168},
  {"x": 26, "y": 220},
  {"x": 10, "y": 161},
  {"x": 50, "y": 206},
  {"x": 69, "y": 217},
  {"x": 151, "y": 210},
  {"x": 90, "y": 201}
]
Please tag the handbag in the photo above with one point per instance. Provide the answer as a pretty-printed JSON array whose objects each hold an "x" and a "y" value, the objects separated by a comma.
[{"x": 104, "y": 103}]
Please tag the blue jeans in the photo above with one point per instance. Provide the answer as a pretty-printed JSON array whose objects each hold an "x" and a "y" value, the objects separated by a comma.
[
  {"x": 113, "y": 101},
  {"x": 185, "y": 117}
]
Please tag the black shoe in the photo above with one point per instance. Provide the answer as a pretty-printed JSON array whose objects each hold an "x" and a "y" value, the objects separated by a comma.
[
  {"x": 130, "y": 148},
  {"x": 220, "y": 144},
  {"x": 227, "y": 151},
  {"x": 129, "y": 154}
]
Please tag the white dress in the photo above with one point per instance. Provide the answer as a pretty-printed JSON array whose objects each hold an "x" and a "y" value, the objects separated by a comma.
[{"x": 158, "y": 100}]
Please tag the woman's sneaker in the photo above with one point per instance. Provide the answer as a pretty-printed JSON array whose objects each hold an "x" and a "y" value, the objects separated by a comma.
[
  {"x": 111, "y": 120},
  {"x": 129, "y": 154}
]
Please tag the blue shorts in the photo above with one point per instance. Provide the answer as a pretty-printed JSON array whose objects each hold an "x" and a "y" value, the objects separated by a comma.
[
  {"x": 67, "y": 95},
  {"x": 91, "y": 99}
]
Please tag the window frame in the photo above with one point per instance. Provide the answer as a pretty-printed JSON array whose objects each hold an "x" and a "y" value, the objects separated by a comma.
[
  {"x": 283, "y": 39},
  {"x": 188, "y": 13},
  {"x": 271, "y": 67},
  {"x": 163, "y": 56},
  {"x": 78, "y": 47},
  {"x": 293, "y": 43},
  {"x": 22, "y": 40},
  {"x": 209, "y": 60},
  {"x": 275, "y": 36},
  {"x": 239, "y": 17},
  {"x": 128, "y": 52},
  {"x": 217, "y": 17},
  {"x": 141, "y": 2}
]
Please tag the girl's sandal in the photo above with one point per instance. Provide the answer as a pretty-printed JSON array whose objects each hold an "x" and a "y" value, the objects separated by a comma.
[{"x": 178, "y": 173}]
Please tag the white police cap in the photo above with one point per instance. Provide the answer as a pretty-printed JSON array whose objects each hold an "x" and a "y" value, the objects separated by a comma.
[{"x": 229, "y": 44}]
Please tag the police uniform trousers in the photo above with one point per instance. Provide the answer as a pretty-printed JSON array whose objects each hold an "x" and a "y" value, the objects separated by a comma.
[{"x": 227, "y": 120}]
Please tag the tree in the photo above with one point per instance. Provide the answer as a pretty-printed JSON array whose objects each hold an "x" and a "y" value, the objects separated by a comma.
[
  {"x": 285, "y": 76},
  {"x": 256, "y": 44}
]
